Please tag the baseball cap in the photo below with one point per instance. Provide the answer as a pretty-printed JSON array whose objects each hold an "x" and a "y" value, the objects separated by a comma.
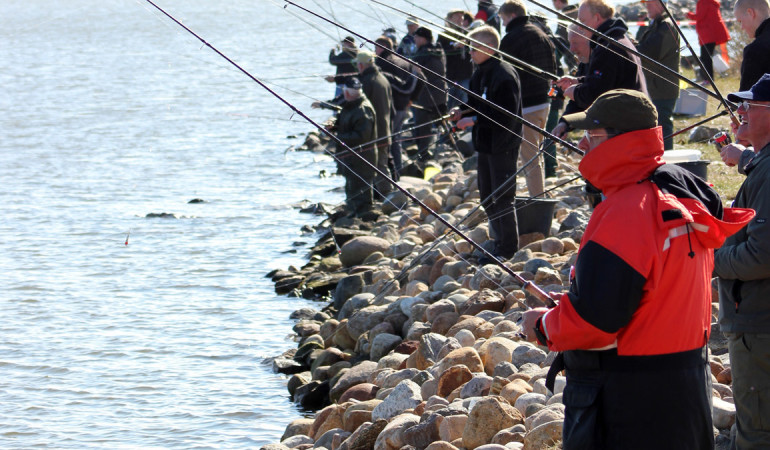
[
  {"x": 353, "y": 83},
  {"x": 365, "y": 57},
  {"x": 622, "y": 109},
  {"x": 760, "y": 92}
]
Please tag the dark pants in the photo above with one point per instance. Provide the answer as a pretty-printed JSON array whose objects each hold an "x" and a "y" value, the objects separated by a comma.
[
  {"x": 750, "y": 363},
  {"x": 395, "y": 147},
  {"x": 425, "y": 132},
  {"x": 359, "y": 178},
  {"x": 706, "y": 51},
  {"x": 637, "y": 402},
  {"x": 665, "y": 109},
  {"x": 494, "y": 170}
]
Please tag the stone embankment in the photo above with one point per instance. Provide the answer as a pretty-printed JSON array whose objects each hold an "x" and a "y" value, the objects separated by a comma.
[{"x": 417, "y": 346}]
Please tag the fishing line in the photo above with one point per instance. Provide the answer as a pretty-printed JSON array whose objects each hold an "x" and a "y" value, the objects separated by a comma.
[
  {"x": 499, "y": 108},
  {"x": 526, "y": 284}
]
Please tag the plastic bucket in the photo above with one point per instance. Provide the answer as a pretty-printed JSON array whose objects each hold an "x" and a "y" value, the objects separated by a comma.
[
  {"x": 534, "y": 215},
  {"x": 699, "y": 168}
]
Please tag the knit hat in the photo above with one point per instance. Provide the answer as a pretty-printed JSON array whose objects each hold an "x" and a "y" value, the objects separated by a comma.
[
  {"x": 424, "y": 33},
  {"x": 349, "y": 40},
  {"x": 621, "y": 109}
]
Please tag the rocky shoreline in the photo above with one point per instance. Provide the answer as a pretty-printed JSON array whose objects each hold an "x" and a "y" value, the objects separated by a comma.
[{"x": 417, "y": 346}]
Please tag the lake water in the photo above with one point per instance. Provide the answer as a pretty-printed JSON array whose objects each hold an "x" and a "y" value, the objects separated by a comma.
[{"x": 110, "y": 112}]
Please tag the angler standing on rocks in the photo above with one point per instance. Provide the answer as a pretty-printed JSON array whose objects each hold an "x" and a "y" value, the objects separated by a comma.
[
  {"x": 378, "y": 91},
  {"x": 356, "y": 125},
  {"x": 754, "y": 17},
  {"x": 525, "y": 41},
  {"x": 431, "y": 104},
  {"x": 345, "y": 62},
  {"x": 634, "y": 325},
  {"x": 497, "y": 147},
  {"x": 743, "y": 268}
]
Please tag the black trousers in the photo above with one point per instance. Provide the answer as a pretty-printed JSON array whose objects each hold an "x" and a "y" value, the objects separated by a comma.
[
  {"x": 640, "y": 402},
  {"x": 706, "y": 52},
  {"x": 493, "y": 171}
]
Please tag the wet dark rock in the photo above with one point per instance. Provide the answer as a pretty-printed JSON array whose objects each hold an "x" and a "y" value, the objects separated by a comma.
[
  {"x": 288, "y": 284},
  {"x": 287, "y": 366},
  {"x": 314, "y": 395},
  {"x": 196, "y": 200},
  {"x": 162, "y": 215}
]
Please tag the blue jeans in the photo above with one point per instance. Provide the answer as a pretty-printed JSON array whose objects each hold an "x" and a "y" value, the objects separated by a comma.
[{"x": 665, "y": 109}]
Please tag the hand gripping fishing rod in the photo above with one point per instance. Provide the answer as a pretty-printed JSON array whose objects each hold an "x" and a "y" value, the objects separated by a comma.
[
  {"x": 631, "y": 50},
  {"x": 526, "y": 285},
  {"x": 700, "y": 63},
  {"x": 497, "y": 107}
]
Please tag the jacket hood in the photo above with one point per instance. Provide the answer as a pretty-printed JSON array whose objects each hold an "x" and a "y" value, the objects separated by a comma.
[
  {"x": 614, "y": 28},
  {"x": 625, "y": 159}
]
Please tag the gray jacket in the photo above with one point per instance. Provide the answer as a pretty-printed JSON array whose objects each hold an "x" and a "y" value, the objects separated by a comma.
[{"x": 743, "y": 262}]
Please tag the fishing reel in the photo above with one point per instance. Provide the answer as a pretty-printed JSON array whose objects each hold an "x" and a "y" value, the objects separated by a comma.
[{"x": 721, "y": 140}]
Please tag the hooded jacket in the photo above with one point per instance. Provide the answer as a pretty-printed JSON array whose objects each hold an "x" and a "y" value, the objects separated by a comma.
[
  {"x": 405, "y": 79},
  {"x": 345, "y": 61},
  {"x": 742, "y": 264},
  {"x": 459, "y": 66},
  {"x": 709, "y": 25},
  {"x": 356, "y": 124},
  {"x": 377, "y": 89},
  {"x": 607, "y": 70},
  {"x": 642, "y": 278},
  {"x": 756, "y": 57}
]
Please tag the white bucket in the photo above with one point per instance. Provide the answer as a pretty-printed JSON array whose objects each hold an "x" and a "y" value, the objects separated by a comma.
[{"x": 682, "y": 155}]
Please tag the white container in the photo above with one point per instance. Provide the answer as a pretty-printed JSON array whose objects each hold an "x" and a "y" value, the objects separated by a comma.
[
  {"x": 691, "y": 102},
  {"x": 682, "y": 155}
]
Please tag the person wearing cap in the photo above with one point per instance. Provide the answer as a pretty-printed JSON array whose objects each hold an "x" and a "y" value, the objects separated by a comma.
[
  {"x": 345, "y": 63},
  {"x": 431, "y": 104},
  {"x": 527, "y": 42},
  {"x": 611, "y": 65},
  {"x": 407, "y": 47},
  {"x": 660, "y": 41},
  {"x": 634, "y": 325},
  {"x": 377, "y": 89},
  {"x": 405, "y": 82},
  {"x": 496, "y": 136},
  {"x": 743, "y": 267},
  {"x": 356, "y": 126},
  {"x": 754, "y": 18}
]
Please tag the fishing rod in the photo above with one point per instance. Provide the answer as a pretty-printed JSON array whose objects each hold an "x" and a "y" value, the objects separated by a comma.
[
  {"x": 696, "y": 124},
  {"x": 512, "y": 59},
  {"x": 631, "y": 50},
  {"x": 499, "y": 108},
  {"x": 527, "y": 285},
  {"x": 704, "y": 72}
]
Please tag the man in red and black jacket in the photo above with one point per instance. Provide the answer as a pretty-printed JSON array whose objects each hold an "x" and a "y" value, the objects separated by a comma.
[{"x": 634, "y": 325}]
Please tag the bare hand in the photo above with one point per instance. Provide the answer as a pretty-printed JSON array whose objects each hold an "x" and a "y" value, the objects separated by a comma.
[
  {"x": 731, "y": 154},
  {"x": 465, "y": 123},
  {"x": 329, "y": 78},
  {"x": 528, "y": 320},
  {"x": 455, "y": 114},
  {"x": 560, "y": 130},
  {"x": 565, "y": 82}
]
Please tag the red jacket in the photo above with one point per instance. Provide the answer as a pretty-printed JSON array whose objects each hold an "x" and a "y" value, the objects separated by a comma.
[
  {"x": 708, "y": 23},
  {"x": 642, "y": 278}
]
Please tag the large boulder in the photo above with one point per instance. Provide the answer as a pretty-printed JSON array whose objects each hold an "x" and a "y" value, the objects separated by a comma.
[
  {"x": 355, "y": 251},
  {"x": 405, "y": 396},
  {"x": 355, "y": 375},
  {"x": 496, "y": 350},
  {"x": 488, "y": 416},
  {"x": 382, "y": 344},
  {"x": 392, "y": 437},
  {"x": 466, "y": 356}
]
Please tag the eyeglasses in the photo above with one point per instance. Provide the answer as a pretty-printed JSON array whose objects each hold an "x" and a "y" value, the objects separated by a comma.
[
  {"x": 744, "y": 105},
  {"x": 588, "y": 136}
]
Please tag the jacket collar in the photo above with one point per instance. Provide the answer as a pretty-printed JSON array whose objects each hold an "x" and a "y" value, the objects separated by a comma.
[
  {"x": 764, "y": 26},
  {"x": 623, "y": 160},
  {"x": 516, "y": 23},
  {"x": 614, "y": 28},
  {"x": 764, "y": 153}
]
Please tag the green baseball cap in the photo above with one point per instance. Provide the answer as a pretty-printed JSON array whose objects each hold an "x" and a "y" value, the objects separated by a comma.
[{"x": 622, "y": 109}]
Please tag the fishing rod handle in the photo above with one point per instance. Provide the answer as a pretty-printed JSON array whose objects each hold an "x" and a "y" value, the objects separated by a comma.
[{"x": 535, "y": 290}]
